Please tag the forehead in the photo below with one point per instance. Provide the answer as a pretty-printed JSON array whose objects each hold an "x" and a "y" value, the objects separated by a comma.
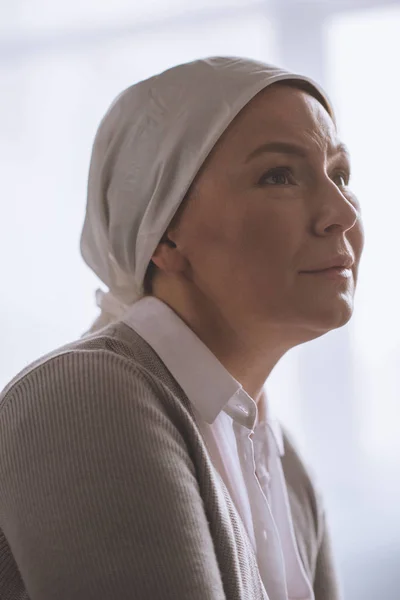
[{"x": 280, "y": 112}]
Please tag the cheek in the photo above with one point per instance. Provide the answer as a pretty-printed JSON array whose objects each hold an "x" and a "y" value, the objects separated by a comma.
[
  {"x": 273, "y": 237},
  {"x": 208, "y": 240},
  {"x": 254, "y": 246}
]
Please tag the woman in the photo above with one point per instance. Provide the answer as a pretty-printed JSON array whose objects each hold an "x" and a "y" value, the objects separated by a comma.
[{"x": 142, "y": 461}]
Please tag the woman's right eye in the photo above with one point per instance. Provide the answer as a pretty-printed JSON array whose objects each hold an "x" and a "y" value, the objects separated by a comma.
[{"x": 277, "y": 176}]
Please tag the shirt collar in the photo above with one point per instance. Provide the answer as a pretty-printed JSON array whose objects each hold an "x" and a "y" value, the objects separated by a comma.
[{"x": 206, "y": 382}]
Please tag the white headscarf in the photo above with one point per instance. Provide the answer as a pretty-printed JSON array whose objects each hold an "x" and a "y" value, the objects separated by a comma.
[{"x": 148, "y": 149}]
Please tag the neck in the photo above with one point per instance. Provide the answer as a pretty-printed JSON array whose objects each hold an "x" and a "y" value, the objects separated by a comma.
[{"x": 248, "y": 352}]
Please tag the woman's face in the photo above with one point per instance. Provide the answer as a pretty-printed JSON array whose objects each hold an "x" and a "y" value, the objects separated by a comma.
[{"x": 272, "y": 203}]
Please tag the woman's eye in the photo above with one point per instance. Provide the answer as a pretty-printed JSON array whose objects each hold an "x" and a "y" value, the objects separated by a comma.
[
  {"x": 279, "y": 176},
  {"x": 341, "y": 179}
]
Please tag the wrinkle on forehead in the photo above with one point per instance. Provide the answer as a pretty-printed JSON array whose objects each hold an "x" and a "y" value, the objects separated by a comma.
[
  {"x": 322, "y": 132},
  {"x": 309, "y": 123},
  {"x": 277, "y": 112}
]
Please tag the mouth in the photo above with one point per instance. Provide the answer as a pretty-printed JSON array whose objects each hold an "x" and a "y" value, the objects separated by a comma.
[{"x": 331, "y": 273}]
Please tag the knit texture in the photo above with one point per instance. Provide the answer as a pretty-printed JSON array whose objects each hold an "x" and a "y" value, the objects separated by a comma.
[{"x": 107, "y": 490}]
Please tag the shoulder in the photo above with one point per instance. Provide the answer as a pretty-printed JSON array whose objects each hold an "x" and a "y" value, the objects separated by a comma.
[
  {"x": 104, "y": 458},
  {"x": 89, "y": 409},
  {"x": 64, "y": 355},
  {"x": 102, "y": 353},
  {"x": 98, "y": 374}
]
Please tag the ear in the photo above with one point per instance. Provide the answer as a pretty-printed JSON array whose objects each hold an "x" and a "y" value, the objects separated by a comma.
[{"x": 166, "y": 256}]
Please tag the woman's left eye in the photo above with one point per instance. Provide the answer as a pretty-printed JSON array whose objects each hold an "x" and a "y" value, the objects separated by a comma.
[
  {"x": 277, "y": 176},
  {"x": 341, "y": 180}
]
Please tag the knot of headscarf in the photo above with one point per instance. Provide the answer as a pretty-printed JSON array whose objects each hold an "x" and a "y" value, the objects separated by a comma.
[{"x": 147, "y": 151}]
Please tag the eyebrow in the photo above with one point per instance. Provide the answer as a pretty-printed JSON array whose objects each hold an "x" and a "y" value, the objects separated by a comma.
[{"x": 290, "y": 148}]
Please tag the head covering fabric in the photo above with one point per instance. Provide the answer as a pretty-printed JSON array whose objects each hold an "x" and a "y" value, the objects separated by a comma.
[{"x": 147, "y": 151}]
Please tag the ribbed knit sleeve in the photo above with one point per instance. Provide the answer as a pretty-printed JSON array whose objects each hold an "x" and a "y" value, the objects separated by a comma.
[{"x": 98, "y": 493}]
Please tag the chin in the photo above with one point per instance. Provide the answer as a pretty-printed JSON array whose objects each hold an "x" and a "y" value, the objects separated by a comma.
[
  {"x": 319, "y": 320},
  {"x": 324, "y": 309},
  {"x": 328, "y": 320}
]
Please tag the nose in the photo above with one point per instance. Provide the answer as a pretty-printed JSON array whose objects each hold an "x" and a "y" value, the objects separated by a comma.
[{"x": 337, "y": 209}]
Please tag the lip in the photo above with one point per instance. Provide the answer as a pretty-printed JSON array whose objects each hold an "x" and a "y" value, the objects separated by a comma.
[
  {"x": 332, "y": 273},
  {"x": 337, "y": 261}
]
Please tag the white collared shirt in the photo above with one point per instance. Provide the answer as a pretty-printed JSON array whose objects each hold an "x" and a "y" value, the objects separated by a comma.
[{"x": 246, "y": 453}]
